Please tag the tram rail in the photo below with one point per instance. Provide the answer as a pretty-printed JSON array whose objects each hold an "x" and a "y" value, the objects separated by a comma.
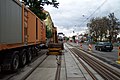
[
  {"x": 107, "y": 72},
  {"x": 26, "y": 76},
  {"x": 81, "y": 62},
  {"x": 57, "y": 76},
  {"x": 12, "y": 76}
]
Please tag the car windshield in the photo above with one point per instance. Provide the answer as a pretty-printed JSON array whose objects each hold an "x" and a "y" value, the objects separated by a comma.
[
  {"x": 104, "y": 43},
  {"x": 107, "y": 43},
  {"x": 100, "y": 43}
]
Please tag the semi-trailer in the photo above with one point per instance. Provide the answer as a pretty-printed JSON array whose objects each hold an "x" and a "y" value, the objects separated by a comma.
[{"x": 21, "y": 33}]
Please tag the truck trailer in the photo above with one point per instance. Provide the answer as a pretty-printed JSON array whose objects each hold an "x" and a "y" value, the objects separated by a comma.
[{"x": 21, "y": 33}]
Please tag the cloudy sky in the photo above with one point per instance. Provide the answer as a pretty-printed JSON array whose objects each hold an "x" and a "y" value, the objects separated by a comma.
[{"x": 73, "y": 15}]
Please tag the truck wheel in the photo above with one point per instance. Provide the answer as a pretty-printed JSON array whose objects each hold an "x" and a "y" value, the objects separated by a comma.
[
  {"x": 100, "y": 49},
  {"x": 23, "y": 58},
  {"x": 36, "y": 51},
  {"x": 95, "y": 48},
  {"x": 15, "y": 62},
  {"x": 110, "y": 50},
  {"x": 29, "y": 55}
]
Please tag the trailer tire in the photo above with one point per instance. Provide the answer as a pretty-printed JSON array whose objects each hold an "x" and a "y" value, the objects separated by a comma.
[
  {"x": 23, "y": 58},
  {"x": 15, "y": 61},
  {"x": 36, "y": 51},
  {"x": 29, "y": 55}
]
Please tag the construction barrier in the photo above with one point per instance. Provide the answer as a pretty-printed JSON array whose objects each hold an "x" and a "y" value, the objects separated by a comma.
[
  {"x": 90, "y": 47},
  {"x": 118, "y": 61},
  {"x": 80, "y": 45}
]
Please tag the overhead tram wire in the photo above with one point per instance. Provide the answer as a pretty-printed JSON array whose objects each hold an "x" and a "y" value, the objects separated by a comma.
[{"x": 93, "y": 12}]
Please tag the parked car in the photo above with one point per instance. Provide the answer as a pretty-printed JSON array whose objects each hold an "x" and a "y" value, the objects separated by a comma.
[{"x": 106, "y": 46}]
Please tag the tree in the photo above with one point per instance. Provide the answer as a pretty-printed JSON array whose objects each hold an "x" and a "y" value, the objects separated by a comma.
[
  {"x": 102, "y": 27},
  {"x": 48, "y": 33},
  {"x": 73, "y": 37},
  {"x": 114, "y": 27},
  {"x": 36, "y": 6},
  {"x": 98, "y": 27}
]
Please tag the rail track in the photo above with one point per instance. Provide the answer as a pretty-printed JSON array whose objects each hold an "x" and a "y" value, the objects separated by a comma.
[
  {"x": 26, "y": 76},
  {"x": 15, "y": 76},
  {"x": 57, "y": 76},
  {"x": 12, "y": 75},
  {"x": 107, "y": 72},
  {"x": 81, "y": 62}
]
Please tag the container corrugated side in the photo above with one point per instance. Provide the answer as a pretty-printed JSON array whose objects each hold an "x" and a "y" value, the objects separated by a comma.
[{"x": 10, "y": 22}]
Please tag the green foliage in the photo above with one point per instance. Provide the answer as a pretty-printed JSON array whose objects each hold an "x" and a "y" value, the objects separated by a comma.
[
  {"x": 73, "y": 37},
  {"x": 104, "y": 27},
  {"x": 48, "y": 33},
  {"x": 67, "y": 38},
  {"x": 36, "y": 6}
]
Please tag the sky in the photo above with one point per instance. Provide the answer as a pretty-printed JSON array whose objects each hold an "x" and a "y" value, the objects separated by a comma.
[{"x": 73, "y": 15}]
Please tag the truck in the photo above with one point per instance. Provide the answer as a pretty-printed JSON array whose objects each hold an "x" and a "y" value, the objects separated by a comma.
[{"x": 21, "y": 33}]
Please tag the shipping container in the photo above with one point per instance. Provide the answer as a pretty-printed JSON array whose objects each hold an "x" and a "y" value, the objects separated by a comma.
[{"x": 21, "y": 33}]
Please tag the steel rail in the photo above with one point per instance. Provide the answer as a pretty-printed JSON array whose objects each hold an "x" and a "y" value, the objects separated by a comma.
[
  {"x": 57, "y": 76},
  {"x": 106, "y": 72},
  {"x": 100, "y": 63},
  {"x": 9, "y": 77},
  {"x": 26, "y": 76},
  {"x": 108, "y": 68},
  {"x": 89, "y": 72}
]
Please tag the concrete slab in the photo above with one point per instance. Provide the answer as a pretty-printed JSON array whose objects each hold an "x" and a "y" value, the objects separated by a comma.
[
  {"x": 63, "y": 61},
  {"x": 85, "y": 73},
  {"x": 63, "y": 74},
  {"x": 73, "y": 71},
  {"x": 46, "y": 71},
  {"x": 75, "y": 78},
  {"x": 50, "y": 62},
  {"x": 43, "y": 74},
  {"x": 63, "y": 68}
]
